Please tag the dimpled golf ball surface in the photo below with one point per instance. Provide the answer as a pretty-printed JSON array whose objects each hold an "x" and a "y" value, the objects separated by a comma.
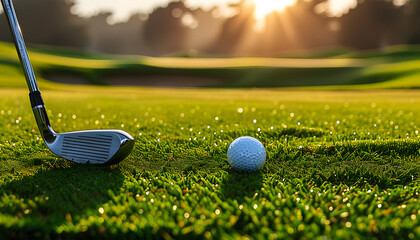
[{"x": 246, "y": 154}]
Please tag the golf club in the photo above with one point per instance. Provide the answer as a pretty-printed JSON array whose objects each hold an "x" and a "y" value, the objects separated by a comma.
[{"x": 105, "y": 147}]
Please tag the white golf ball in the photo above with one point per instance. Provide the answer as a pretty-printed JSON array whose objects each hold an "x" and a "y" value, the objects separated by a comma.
[{"x": 246, "y": 154}]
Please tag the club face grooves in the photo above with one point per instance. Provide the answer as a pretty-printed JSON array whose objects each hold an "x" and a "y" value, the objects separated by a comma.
[
  {"x": 85, "y": 147},
  {"x": 103, "y": 147}
]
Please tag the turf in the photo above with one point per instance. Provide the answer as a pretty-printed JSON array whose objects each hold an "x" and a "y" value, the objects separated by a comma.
[
  {"x": 392, "y": 68},
  {"x": 340, "y": 165}
]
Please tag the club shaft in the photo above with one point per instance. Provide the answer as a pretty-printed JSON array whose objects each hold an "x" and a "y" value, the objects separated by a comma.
[
  {"x": 20, "y": 45},
  {"x": 37, "y": 103}
]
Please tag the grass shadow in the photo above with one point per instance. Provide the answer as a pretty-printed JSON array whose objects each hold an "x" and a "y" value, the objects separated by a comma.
[
  {"x": 49, "y": 198},
  {"x": 240, "y": 185}
]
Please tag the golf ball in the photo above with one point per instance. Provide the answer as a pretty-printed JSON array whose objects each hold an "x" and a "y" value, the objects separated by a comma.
[{"x": 246, "y": 154}]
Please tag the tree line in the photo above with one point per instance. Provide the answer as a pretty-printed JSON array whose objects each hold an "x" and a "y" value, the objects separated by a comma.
[{"x": 372, "y": 24}]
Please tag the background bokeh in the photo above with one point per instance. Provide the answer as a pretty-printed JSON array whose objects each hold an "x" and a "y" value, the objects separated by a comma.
[{"x": 218, "y": 27}]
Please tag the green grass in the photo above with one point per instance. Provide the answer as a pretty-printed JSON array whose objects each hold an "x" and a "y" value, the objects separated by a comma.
[
  {"x": 340, "y": 165},
  {"x": 387, "y": 69}
]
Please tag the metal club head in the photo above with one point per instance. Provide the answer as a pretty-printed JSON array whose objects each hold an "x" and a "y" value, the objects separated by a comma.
[
  {"x": 104, "y": 147},
  {"x": 100, "y": 147}
]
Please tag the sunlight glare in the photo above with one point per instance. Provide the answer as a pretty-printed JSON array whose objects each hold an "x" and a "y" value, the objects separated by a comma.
[{"x": 265, "y": 7}]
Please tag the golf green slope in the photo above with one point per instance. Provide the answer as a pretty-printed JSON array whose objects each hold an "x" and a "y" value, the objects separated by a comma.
[{"x": 396, "y": 67}]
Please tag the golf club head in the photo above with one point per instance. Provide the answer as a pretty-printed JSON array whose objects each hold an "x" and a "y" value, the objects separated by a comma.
[{"x": 100, "y": 147}]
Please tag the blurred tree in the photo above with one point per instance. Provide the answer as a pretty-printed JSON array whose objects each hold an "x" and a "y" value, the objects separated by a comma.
[
  {"x": 412, "y": 19},
  {"x": 235, "y": 31},
  {"x": 120, "y": 38},
  {"x": 164, "y": 31},
  {"x": 49, "y": 22},
  {"x": 298, "y": 27},
  {"x": 5, "y": 34},
  {"x": 372, "y": 24}
]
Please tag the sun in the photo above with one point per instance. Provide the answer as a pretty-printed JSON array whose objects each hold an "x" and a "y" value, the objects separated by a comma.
[{"x": 265, "y": 7}]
